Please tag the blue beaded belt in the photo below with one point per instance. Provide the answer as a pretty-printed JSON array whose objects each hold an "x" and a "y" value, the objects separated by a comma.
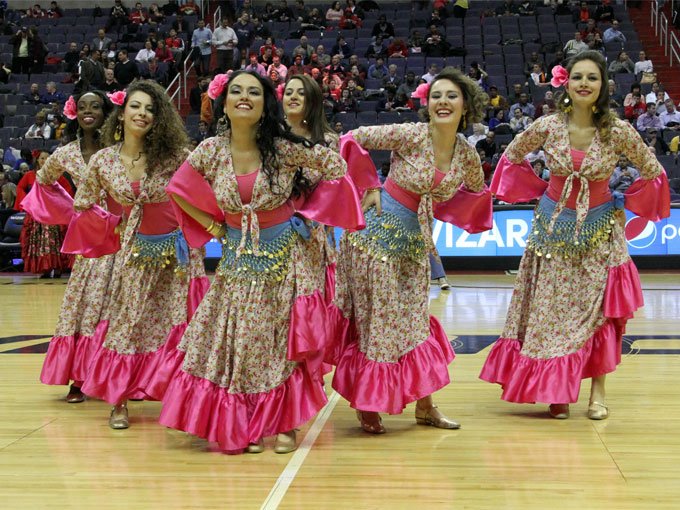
[{"x": 161, "y": 251}]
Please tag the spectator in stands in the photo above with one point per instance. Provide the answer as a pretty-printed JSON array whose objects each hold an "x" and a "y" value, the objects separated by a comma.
[
  {"x": 324, "y": 58},
  {"x": 378, "y": 70},
  {"x": 268, "y": 57},
  {"x": 334, "y": 13},
  {"x": 671, "y": 117},
  {"x": 153, "y": 72},
  {"x": 499, "y": 123},
  {"x": 71, "y": 58},
  {"x": 356, "y": 93},
  {"x": 383, "y": 29},
  {"x": 604, "y": 12},
  {"x": 329, "y": 104},
  {"x": 649, "y": 119},
  {"x": 268, "y": 43},
  {"x": 118, "y": 17},
  {"x": 654, "y": 140},
  {"x": 112, "y": 52},
  {"x": 278, "y": 68},
  {"x": 527, "y": 108},
  {"x": 547, "y": 101},
  {"x": 435, "y": 46},
  {"x": 40, "y": 129},
  {"x": 615, "y": 99},
  {"x": 409, "y": 85},
  {"x": 33, "y": 96},
  {"x": 634, "y": 88},
  {"x": 313, "y": 64},
  {"x": 269, "y": 13},
  {"x": 535, "y": 155},
  {"x": 497, "y": 101},
  {"x": 5, "y": 74},
  {"x": 196, "y": 92},
  {"x": 172, "y": 8},
  {"x": 255, "y": 66},
  {"x": 559, "y": 60},
  {"x": 125, "y": 70},
  {"x": 519, "y": 121},
  {"x": 297, "y": 67},
  {"x": 389, "y": 103},
  {"x": 175, "y": 44},
  {"x": 283, "y": 13},
  {"x": 479, "y": 131},
  {"x": 397, "y": 49},
  {"x": 349, "y": 20},
  {"x": 110, "y": 84},
  {"x": 652, "y": 96},
  {"x": 206, "y": 106},
  {"x": 613, "y": 34},
  {"x": 539, "y": 77},
  {"x": 155, "y": 15},
  {"x": 355, "y": 75},
  {"x": 392, "y": 78},
  {"x": 224, "y": 39},
  {"x": 507, "y": 8},
  {"x": 163, "y": 53},
  {"x": 138, "y": 15},
  {"x": 101, "y": 42},
  {"x": 431, "y": 73},
  {"x": 342, "y": 48},
  {"x": 303, "y": 49},
  {"x": 622, "y": 64},
  {"x": 460, "y": 9},
  {"x": 201, "y": 49},
  {"x": 595, "y": 45},
  {"x": 248, "y": 8},
  {"x": 575, "y": 46},
  {"x": 21, "y": 51},
  {"x": 145, "y": 53},
  {"x": 643, "y": 65},
  {"x": 661, "y": 102},
  {"x": 347, "y": 102},
  {"x": 591, "y": 29},
  {"x": 526, "y": 8},
  {"x": 52, "y": 94},
  {"x": 352, "y": 6},
  {"x": 336, "y": 67},
  {"x": 315, "y": 21},
  {"x": 36, "y": 12},
  {"x": 529, "y": 64},
  {"x": 180, "y": 25},
  {"x": 55, "y": 11},
  {"x": 91, "y": 72},
  {"x": 283, "y": 58},
  {"x": 301, "y": 11},
  {"x": 636, "y": 108},
  {"x": 376, "y": 49},
  {"x": 517, "y": 91},
  {"x": 244, "y": 31},
  {"x": 623, "y": 176},
  {"x": 487, "y": 144}
]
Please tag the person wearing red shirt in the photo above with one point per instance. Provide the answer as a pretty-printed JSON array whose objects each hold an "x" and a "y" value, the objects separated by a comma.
[
  {"x": 349, "y": 20},
  {"x": 397, "y": 49},
  {"x": 175, "y": 44},
  {"x": 163, "y": 54},
  {"x": 591, "y": 29},
  {"x": 138, "y": 16},
  {"x": 636, "y": 108}
]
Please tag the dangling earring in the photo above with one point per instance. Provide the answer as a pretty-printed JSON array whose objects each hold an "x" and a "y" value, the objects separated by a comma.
[
  {"x": 595, "y": 109},
  {"x": 118, "y": 133},
  {"x": 566, "y": 103},
  {"x": 464, "y": 123}
]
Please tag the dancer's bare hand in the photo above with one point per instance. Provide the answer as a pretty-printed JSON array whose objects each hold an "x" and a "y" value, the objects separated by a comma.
[{"x": 370, "y": 199}]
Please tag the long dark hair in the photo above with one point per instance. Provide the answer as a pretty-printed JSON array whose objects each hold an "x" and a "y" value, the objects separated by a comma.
[
  {"x": 167, "y": 139},
  {"x": 271, "y": 126},
  {"x": 603, "y": 118},
  {"x": 73, "y": 129},
  {"x": 313, "y": 114}
]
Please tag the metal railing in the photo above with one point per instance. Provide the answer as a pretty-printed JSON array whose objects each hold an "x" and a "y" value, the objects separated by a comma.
[
  {"x": 663, "y": 33},
  {"x": 178, "y": 91},
  {"x": 674, "y": 48},
  {"x": 655, "y": 17}
]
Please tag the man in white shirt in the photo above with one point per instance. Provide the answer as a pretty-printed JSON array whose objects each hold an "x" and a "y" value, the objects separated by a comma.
[
  {"x": 225, "y": 40},
  {"x": 101, "y": 42},
  {"x": 144, "y": 55},
  {"x": 613, "y": 34},
  {"x": 479, "y": 131},
  {"x": 431, "y": 73},
  {"x": 40, "y": 129},
  {"x": 671, "y": 118},
  {"x": 278, "y": 67},
  {"x": 574, "y": 46}
]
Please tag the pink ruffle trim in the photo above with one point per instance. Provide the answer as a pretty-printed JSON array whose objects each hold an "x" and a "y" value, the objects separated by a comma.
[
  {"x": 555, "y": 380},
  {"x": 49, "y": 204},
  {"x": 623, "y": 293},
  {"x": 202, "y": 408},
  {"x": 650, "y": 198},
  {"x": 68, "y": 357},
  {"x": 389, "y": 387}
]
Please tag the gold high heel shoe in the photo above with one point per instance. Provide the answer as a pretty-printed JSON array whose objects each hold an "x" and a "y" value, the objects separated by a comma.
[
  {"x": 601, "y": 412},
  {"x": 559, "y": 411},
  {"x": 425, "y": 417},
  {"x": 367, "y": 427},
  {"x": 285, "y": 442},
  {"x": 119, "y": 417},
  {"x": 75, "y": 395},
  {"x": 256, "y": 447}
]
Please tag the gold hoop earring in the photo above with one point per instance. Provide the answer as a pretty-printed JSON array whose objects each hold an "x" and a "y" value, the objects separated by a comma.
[
  {"x": 595, "y": 109},
  {"x": 566, "y": 102},
  {"x": 118, "y": 133}
]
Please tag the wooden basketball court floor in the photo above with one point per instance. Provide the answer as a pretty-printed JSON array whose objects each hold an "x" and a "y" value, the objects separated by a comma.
[{"x": 506, "y": 456}]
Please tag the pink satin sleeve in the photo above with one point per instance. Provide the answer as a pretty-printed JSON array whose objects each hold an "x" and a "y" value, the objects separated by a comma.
[
  {"x": 360, "y": 166},
  {"x": 335, "y": 203},
  {"x": 473, "y": 212},
  {"x": 649, "y": 198},
  {"x": 49, "y": 204},
  {"x": 192, "y": 187},
  {"x": 91, "y": 233},
  {"x": 516, "y": 182}
]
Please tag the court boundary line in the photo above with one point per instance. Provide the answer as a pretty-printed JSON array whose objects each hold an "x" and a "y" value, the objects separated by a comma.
[{"x": 287, "y": 476}]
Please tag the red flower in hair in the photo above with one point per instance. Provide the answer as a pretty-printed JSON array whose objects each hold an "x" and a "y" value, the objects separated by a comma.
[
  {"x": 560, "y": 76},
  {"x": 279, "y": 91},
  {"x": 421, "y": 93},
  {"x": 70, "y": 108},
  {"x": 117, "y": 98},
  {"x": 217, "y": 85}
]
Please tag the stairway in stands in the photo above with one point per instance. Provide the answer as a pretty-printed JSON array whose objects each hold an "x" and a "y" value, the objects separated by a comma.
[{"x": 667, "y": 76}]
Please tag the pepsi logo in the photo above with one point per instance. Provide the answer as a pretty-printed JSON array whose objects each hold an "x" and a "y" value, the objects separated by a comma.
[{"x": 640, "y": 232}]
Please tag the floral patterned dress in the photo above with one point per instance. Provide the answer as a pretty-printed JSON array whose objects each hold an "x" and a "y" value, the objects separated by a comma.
[
  {"x": 389, "y": 350},
  {"x": 71, "y": 349},
  {"x": 154, "y": 286},
  {"x": 248, "y": 365},
  {"x": 576, "y": 285},
  {"x": 41, "y": 243}
]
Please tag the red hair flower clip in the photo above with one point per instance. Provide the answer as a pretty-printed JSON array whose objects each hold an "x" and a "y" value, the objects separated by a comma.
[
  {"x": 70, "y": 108},
  {"x": 279, "y": 91},
  {"x": 421, "y": 93},
  {"x": 117, "y": 98},
  {"x": 217, "y": 85},
  {"x": 560, "y": 76}
]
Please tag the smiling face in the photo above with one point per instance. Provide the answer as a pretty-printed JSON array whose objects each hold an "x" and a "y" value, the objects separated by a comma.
[
  {"x": 90, "y": 112},
  {"x": 585, "y": 83},
  {"x": 445, "y": 104},
  {"x": 294, "y": 98},
  {"x": 245, "y": 100},
  {"x": 138, "y": 115}
]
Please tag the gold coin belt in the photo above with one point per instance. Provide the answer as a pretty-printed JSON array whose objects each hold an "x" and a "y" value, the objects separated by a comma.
[{"x": 386, "y": 237}]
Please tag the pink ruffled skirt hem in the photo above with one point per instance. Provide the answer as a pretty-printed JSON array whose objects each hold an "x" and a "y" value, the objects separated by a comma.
[{"x": 388, "y": 387}]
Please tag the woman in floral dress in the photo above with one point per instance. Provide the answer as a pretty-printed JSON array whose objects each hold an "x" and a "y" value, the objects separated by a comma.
[
  {"x": 157, "y": 281},
  {"x": 389, "y": 351},
  {"x": 576, "y": 286},
  {"x": 71, "y": 349},
  {"x": 40, "y": 242},
  {"x": 248, "y": 365}
]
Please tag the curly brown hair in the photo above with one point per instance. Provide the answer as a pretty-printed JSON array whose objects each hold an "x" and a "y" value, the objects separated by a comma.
[
  {"x": 167, "y": 138},
  {"x": 603, "y": 117},
  {"x": 474, "y": 97}
]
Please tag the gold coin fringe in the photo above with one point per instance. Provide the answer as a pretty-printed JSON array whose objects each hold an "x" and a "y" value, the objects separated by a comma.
[
  {"x": 386, "y": 237},
  {"x": 161, "y": 254}
]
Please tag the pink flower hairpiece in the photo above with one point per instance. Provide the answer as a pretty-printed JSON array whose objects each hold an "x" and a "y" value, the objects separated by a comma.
[
  {"x": 421, "y": 93},
  {"x": 117, "y": 98},
  {"x": 70, "y": 108},
  {"x": 560, "y": 76},
  {"x": 279, "y": 91},
  {"x": 217, "y": 85}
]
